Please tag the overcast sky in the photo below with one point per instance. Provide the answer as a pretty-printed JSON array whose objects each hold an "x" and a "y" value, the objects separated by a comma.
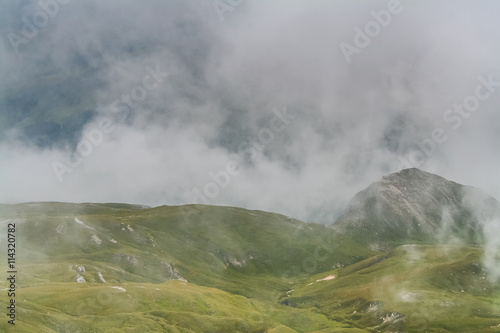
[{"x": 284, "y": 106}]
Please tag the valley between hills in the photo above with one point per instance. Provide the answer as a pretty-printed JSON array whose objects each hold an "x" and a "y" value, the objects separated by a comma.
[{"x": 413, "y": 252}]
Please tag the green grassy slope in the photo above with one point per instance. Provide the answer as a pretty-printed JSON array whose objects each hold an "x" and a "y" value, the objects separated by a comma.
[
  {"x": 202, "y": 268},
  {"x": 212, "y": 269},
  {"x": 172, "y": 306},
  {"x": 412, "y": 288}
]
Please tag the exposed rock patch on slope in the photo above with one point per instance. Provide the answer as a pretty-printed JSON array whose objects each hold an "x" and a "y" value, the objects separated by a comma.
[{"x": 421, "y": 206}]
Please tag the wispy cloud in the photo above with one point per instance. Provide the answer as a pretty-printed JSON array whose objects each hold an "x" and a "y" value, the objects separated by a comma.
[{"x": 355, "y": 120}]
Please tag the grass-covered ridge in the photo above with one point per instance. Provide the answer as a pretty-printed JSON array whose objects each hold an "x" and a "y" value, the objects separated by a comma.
[
  {"x": 195, "y": 268},
  {"x": 188, "y": 268}
]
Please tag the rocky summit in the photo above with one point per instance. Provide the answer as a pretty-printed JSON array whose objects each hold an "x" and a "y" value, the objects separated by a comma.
[{"x": 416, "y": 205}]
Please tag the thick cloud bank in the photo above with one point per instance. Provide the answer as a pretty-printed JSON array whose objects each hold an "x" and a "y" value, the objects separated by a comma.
[{"x": 286, "y": 106}]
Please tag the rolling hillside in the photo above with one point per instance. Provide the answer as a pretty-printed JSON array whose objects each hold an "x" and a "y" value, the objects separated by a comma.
[
  {"x": 78, "y": 260},
  {"x": 407, "y": 256}
]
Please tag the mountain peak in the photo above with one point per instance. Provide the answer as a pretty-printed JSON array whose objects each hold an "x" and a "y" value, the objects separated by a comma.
[
  {"x": 414, "y": 176},
  {"x": 412, "y": 204},
  {"x": 410, "y": 173}
]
